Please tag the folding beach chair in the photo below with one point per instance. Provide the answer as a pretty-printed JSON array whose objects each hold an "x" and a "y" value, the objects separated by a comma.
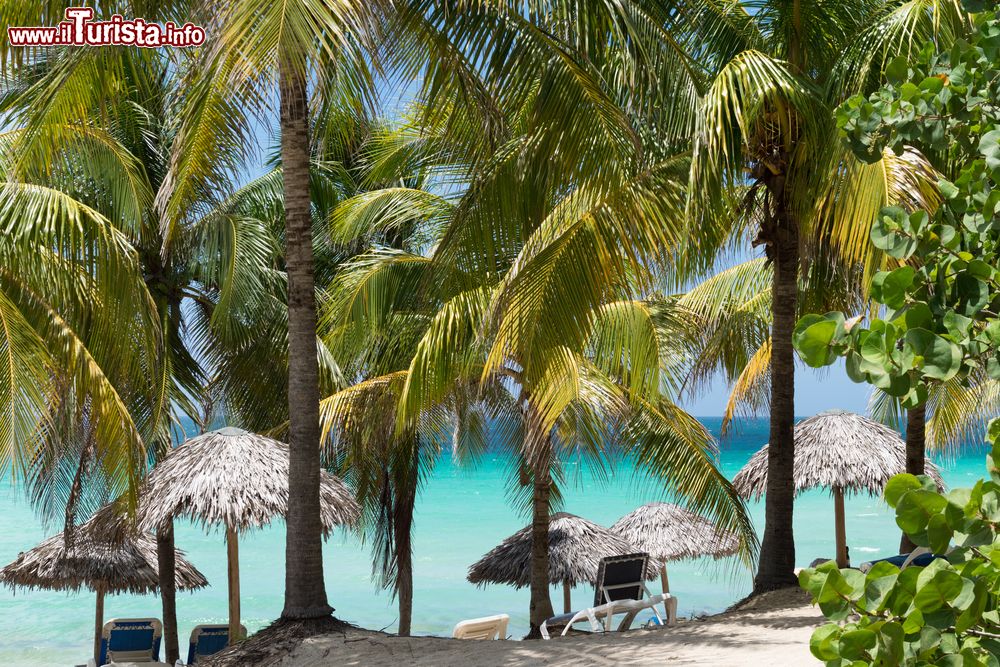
[
  {"x": 620, "y": 589},
  {"x": 488, "y": 627},
  {"x": 920, "y": 557},
  {"x": 207, "y": 640},
  {"x": 130, "y": 640}
]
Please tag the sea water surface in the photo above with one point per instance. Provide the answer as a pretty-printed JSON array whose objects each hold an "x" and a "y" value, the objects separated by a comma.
[{"x": 461, "y": 514}]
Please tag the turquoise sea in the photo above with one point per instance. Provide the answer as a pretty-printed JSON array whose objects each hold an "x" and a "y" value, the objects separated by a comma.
[{"x": 461, "y": 514}]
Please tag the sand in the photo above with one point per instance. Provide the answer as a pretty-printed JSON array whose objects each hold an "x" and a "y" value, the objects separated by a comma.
[{"x": 772, "y": 631}]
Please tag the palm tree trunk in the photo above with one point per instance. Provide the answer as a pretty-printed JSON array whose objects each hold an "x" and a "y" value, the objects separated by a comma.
[
  {"x": 403, "y": 528},
  {"x": 166, "y": 562},
  {"x": 916, "y": 431},
  {"x": 305, "y": 592},
  {"x": 540, "y": 608},
  {"x": 777, "y": 553}
]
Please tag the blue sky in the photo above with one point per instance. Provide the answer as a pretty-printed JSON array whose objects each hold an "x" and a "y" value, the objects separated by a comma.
[{"x": 815, "y": 391}]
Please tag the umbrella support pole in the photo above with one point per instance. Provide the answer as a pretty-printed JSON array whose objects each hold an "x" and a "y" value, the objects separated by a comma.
[
  {"x": 567, "y": 605},
  {"x": 98, "y": 624},
  {"x": 664, "y": 581},
  {"x": 233, "y": 561},
  {"x": 665, "y": 584},
  {"x": 841, "y": 532}
]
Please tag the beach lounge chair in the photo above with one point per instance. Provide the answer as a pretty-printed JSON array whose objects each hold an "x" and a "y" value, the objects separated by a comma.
[
  {"x": 920, "y": 557},
  {"x": 130, "y": 640},
  {"x": 488, "y": 627},
  {"x": 620, "y": 589},
  {"x": 207, "y": 640}
]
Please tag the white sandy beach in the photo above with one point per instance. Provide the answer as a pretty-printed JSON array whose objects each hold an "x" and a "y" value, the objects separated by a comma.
[{"x": 773, "y": 632}]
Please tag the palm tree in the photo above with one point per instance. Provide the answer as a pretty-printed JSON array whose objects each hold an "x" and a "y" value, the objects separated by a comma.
[
  {"x": 257, "y": 40},
  {"x": 544, "y": 334},
  {"x": 260, "y": 44},
  {"x": 126, "y": 370},
  {"x": 766, "y": 137}
]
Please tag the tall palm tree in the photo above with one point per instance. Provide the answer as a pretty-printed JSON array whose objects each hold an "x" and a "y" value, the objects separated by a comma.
[
  {"x": 766, "y": 142},
  {"x": 265, "y": 50},
  {"x": 319, "y": 42},
  {"x": 127, "y": 370}
]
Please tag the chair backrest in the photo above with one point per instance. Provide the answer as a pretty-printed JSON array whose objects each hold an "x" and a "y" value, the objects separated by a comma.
[
  {"x": 209, "y": 639},
  {"x": 131, "y": 640},
  {"x": 489, "y": 627},
  {"x": 621, "y": 578},
  {"x": 917, "y": 552}
]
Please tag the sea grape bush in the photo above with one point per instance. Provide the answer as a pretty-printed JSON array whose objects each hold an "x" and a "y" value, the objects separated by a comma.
[
  {"x": 938, "y": 322},
  {"x": 943, "y": 614},
  {"x": 941, "y": 302}
]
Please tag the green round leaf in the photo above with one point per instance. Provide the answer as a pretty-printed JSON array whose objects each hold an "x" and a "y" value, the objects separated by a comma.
[
  {"x": 937, "y": 357},
  {"x": 854, "y": 644},
  {"x": 898, "y": 70},
  {"x": 824, "y": 642},
  {"x": 890, "y": 287},
  {"x": 915, "y": 509},
  {"x": 898, "y": 485},
  {"x": 815, "y": 338},
  {"x": 892, "y": 232}
]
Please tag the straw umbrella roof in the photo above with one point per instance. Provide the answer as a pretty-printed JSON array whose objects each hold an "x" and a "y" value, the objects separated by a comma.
[
  {"x": 129, "y": 565},
  {"x": 576, "y": 547},
  {"x": 234, "y": 478},
  {"x": 837, "y": 449},
  {"x": 669, "y": 532}
]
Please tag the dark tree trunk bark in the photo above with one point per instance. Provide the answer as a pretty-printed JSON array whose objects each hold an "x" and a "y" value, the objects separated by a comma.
[
  {"x": 540, "y": 608},
  {"x": 777, "y": 553},
  {"x": 305, "y": 592},
  {"x": 916, "y": 430},
  {"x": 403, "y": 528},
  {"x": 165, "y": 560}
]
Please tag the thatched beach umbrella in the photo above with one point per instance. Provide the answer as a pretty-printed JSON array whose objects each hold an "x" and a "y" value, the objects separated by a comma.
[
  {"x": 842, "y": 451},
  {"x": 669, "y": 532},
  {"x": 238, "y": 480},
  {"x": 576, "y": 547},
  {"x": 127, "y": 564}
]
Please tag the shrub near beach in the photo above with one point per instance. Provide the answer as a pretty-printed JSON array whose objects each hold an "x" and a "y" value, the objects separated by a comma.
[
  {"x": 942, "y": 614},
  {"x": 940, "y": 323}
]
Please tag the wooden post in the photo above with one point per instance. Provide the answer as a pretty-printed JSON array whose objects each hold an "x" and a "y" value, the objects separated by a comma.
[
  {"x": 166, "y": 557},
  {"x": 665, "y": 584},
  {"x": 98, "y": 623},
  {"x": 841, "y": 533},
  {"x": 567, "y": 605},
  {"x": 233, "y": 558}
]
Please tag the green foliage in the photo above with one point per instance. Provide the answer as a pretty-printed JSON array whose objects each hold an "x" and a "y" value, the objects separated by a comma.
[
  {"x": 941, "y": 614},
  {"x": 940, "y": 305},
  {"x": 939, "y": 324}
]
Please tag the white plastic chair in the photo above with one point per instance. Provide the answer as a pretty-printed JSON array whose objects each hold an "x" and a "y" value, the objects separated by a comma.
[{"x": 488, "y": 627}]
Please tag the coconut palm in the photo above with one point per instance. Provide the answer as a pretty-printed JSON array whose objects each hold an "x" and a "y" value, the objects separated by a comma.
[
  {"x": 265, "y": 53},
  {"x": 260, "y": 45},
  {"x": 766, "y": 144},
  {"x": 200, "y": 276}
]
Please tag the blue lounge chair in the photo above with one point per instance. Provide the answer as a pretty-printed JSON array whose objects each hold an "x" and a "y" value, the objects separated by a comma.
[
  {"x": 920, "y": 557},
  {"x": 130, "y": 640},
  {"x": 209, "y": 639}
]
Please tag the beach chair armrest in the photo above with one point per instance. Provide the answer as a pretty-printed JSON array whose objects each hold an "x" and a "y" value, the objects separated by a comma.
[{"x": 567, "y": 620}]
